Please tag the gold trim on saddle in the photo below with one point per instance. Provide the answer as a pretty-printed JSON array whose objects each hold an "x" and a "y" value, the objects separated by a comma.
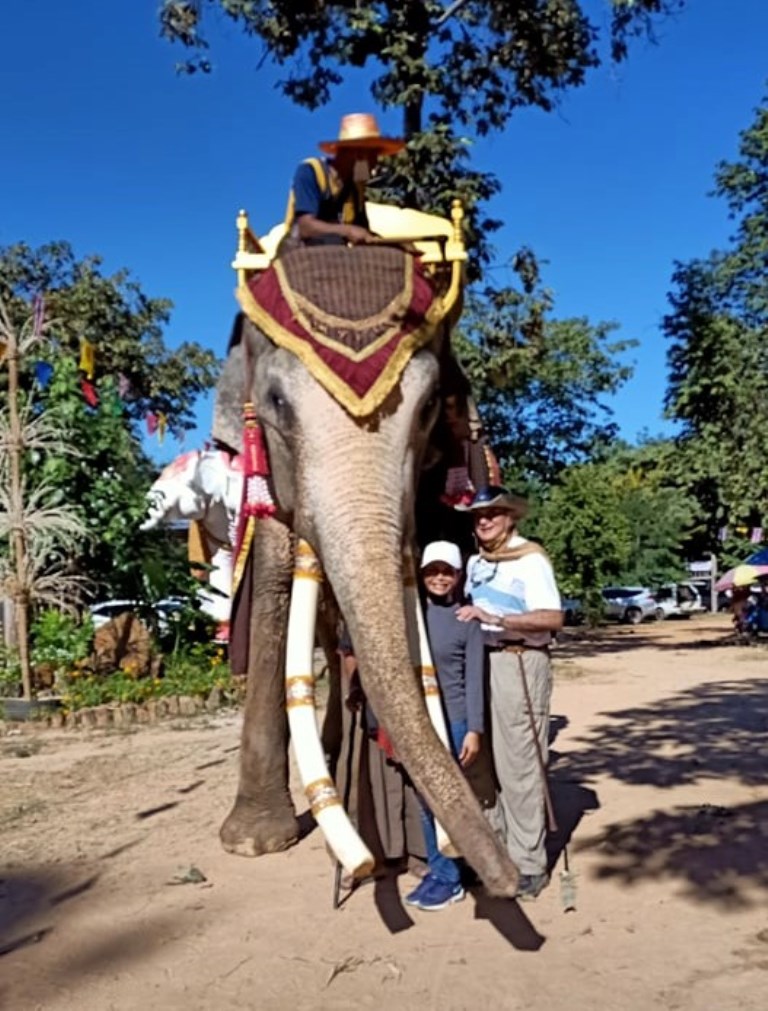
[{"x": 359, "y": 407}]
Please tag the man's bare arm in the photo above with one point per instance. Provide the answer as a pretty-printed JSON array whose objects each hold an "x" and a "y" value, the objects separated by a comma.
[
  {"x": 531, "y": 621},
  {"x": 311, "y": 227}
]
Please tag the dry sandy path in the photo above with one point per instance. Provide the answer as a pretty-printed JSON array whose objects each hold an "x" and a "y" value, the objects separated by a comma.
[{"x": 660, "y": 771}]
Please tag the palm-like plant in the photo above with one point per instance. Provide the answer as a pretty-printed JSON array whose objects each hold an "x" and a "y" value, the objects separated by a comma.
[{"x": 39, "y": 531}]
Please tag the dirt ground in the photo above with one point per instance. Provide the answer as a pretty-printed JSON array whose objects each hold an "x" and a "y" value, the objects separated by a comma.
[{"x": 660, "y": 775}]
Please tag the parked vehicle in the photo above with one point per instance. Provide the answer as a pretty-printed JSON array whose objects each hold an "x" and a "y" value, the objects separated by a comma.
[
  {"x": 632, "y": 604},
  {"x": 678, "y": 600},
  {"x": 106, "y": 610},
  {"x": 573, "y": 612}
]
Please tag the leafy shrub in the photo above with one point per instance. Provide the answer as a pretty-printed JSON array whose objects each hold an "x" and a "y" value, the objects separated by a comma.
[
  {"x": 10, "y": 673},
  {"x": 194, "y": 671},
  {"x": 60, "y": 641}
]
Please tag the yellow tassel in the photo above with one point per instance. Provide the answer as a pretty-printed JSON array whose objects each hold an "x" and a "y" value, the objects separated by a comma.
[{"x": 87, "y": 358}]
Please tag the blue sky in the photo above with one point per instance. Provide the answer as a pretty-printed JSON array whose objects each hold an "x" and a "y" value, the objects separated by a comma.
[{"x": 104, "y": 146}]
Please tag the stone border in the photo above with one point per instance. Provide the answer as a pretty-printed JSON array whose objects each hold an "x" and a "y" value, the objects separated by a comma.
[{"x": 127, "y": 714}]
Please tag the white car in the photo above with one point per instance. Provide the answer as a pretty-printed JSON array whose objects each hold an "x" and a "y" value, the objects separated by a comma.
[
  {"x": 632, "y": 604},
  {"x": 678, "y": 600},
  {"x": 106, "y": 610}
]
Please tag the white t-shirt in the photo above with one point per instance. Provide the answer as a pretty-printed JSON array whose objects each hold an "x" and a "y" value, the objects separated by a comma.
[{"x": 527, "y": 584}]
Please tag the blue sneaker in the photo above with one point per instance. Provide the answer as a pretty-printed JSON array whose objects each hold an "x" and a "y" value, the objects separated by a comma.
[
  {"x": 439, "y": 894},
  {"x": 413, "y": 898}
]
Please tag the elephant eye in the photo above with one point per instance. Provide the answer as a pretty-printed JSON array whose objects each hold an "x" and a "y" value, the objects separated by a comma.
[
  {"x": 279, "y": 408},
  {"x": 276, "y": 399}
]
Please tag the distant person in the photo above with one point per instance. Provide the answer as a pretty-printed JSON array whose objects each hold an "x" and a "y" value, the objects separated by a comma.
[
  {"x": 514, "y": 598},
  {"x": 327, "y": 200}
]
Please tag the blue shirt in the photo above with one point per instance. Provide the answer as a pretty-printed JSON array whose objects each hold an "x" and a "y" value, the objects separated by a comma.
[{"x": 458, "y": 654}]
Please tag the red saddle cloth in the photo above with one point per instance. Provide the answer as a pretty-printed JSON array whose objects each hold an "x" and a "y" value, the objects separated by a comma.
[{"x": 354, "y": 316}]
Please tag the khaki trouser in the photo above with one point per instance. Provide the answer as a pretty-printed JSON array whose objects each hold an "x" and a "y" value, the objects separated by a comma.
[{"x": 519, "y": 815}]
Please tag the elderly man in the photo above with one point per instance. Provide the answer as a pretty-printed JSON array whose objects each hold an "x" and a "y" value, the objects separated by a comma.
[
  {"x": 327, "y": 202},
  {"x": 513, "y": 595}
]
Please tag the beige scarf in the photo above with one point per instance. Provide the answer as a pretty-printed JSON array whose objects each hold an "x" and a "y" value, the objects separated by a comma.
[{"x": 499, "y": 552}]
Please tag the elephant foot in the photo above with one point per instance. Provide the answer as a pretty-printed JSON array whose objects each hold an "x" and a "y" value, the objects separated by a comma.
[{"x": 251, "y": 831}]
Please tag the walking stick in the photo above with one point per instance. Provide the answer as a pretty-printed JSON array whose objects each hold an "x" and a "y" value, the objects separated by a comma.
[{"x": 347, "y": 794}]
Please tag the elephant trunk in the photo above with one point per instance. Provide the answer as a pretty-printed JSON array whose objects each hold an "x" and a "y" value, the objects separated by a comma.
[{"x": 365, "y": 569}]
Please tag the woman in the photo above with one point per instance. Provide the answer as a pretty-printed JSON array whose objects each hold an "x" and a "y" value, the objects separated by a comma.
[{"x": 457, "y": 651}]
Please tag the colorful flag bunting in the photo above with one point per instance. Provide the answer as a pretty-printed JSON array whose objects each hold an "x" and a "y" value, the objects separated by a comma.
[
  {"x": 722, "y": 534},
  {"x": 87, "y": 357},
  {"x": 151, "y": 420},
  {"x": 757, "y": 535},
  {"x": 123, "y": 385},
  {"x": 89, "y": 392},
  {"x": 162, "y": 425},
  {"x": 43, "y": 373}
]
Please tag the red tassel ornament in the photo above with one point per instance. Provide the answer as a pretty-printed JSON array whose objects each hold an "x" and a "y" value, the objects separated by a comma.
[{"x": 257, "y": 498}]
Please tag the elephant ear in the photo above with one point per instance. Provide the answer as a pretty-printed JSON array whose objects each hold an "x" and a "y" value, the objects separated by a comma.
[{"x": 231, "y": 392}]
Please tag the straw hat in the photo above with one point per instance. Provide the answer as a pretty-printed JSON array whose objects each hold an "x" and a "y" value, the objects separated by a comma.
[{"x": 360, "y": 130}]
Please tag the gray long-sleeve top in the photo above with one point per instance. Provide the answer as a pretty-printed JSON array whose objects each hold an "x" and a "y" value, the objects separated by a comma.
[{"x": 458, "y": 653}]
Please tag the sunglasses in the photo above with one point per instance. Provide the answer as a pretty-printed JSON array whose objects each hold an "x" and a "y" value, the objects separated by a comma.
[{"x": 491, "y": 513}]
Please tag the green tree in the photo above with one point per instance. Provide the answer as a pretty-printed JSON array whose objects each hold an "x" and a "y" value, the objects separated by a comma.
[
  {"x": 456, "y": 70},
  {"x": 106, "y": 477},
  {"x": 661, "y": 514},
  {"x": 622, "y": 520},
  {"x": 586, "y": 532},
  {"x": 124, "y": 325},
  {"x": 540, "y": 381},
  {"x": 718, "y": 353},
  {"x": 106, "y": 482}
]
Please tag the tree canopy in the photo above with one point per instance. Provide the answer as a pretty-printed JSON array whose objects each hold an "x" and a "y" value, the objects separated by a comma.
[
  {"x": 718, "y": 353},
  {"x": 456, "y": 70},
  {"x": 124, "y": 325},
  {"x": 105, "y": 474},
  {"x": 539, "y": 380}
]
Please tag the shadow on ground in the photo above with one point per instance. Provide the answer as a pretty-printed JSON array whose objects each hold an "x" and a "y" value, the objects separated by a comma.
[
  {"x": 711, "y": 731},
  {"x": 716, "y": 731},
  {"x": 668, "y": 636},
  {"x": 720, "y": 854}
]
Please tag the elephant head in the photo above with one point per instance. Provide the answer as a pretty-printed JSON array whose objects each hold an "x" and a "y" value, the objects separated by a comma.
[{"x": 344, "y": 480}]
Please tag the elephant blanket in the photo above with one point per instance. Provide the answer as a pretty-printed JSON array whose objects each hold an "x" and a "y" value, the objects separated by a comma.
[{"x": 354, "y": 316}]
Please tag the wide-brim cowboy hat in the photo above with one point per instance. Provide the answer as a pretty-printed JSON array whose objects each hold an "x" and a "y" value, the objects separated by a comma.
[
  {"x": 360, "y": 130},
  {"x": 496, "y": 497}
]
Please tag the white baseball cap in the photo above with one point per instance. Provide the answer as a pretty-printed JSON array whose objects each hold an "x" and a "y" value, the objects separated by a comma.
[{"x": 442, "y": 551}]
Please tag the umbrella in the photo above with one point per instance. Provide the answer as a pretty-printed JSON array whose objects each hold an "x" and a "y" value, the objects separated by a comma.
[{"x": 743, "y": 575}]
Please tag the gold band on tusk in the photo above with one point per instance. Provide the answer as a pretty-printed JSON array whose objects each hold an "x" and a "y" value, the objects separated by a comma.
[
  {"x": 299, "y": 691},
  {"x": 321, "y": 794}
]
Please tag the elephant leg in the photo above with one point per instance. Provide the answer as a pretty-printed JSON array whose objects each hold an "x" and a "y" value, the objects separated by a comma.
[{"x": 263, "y": 818}]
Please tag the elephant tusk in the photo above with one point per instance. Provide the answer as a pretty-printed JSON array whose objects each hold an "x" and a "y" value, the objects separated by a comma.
[
  {"x": 324, "y": 801},
  {"x": 425, "y": 669}
]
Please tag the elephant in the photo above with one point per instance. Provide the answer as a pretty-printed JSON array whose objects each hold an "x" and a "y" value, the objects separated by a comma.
[
  {"x": 204, "y": 488},
  {"x": 344, "y": 479}
]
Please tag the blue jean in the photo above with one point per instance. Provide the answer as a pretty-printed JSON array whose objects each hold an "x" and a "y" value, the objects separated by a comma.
[{"x": 443, "y": 868}]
